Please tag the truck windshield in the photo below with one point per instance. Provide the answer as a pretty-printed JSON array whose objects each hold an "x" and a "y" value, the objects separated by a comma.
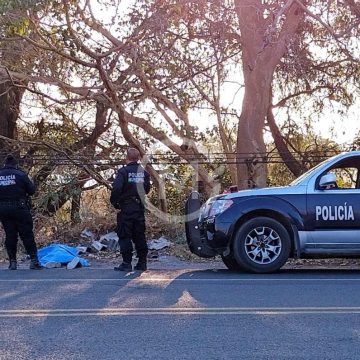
[{"x": 310, "y": 172}]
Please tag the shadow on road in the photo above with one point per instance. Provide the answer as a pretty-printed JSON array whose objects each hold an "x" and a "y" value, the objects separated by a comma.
[{"x": 212, "y": 288}]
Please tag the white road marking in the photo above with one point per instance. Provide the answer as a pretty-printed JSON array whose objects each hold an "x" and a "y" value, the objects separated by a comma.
[
  {"x": 178, "y": 311},
  {"x": 140, "y": 279}
]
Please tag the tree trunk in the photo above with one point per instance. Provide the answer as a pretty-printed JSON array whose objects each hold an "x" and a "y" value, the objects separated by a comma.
[
  {"x": 10, "y": 100},
  {"x": 250, "y": 148},
  {"x": 9, "y": 110},
  {"x": 290, "y": 161},
  {"x": 11, "y": 59},
  {"x": 227, "y": 147},
  {"x": 75, "y": 208},
  {"x": 160, "y": 186},
  {"x": 264, "y": 41}
]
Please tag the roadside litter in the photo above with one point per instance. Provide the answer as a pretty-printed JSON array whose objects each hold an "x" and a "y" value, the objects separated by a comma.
[
  {"x": 82, "y": 249},
  {"x": 88, "y": 234},
  {"x": 97, "y": 245},
  {"x": 111, "y": 240},
  {"x": 158, "y": 244},
  {"x": 59, "y": 255},
  {"x": 107, "y": 241}
]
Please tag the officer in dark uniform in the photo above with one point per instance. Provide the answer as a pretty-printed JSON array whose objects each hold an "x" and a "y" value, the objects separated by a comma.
[
  {"x": 129, "y": 188},
  {"x": 15, "y": 216}
]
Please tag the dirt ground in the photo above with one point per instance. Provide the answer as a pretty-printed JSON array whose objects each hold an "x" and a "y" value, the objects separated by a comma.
[{"x": 179, "y": 257}]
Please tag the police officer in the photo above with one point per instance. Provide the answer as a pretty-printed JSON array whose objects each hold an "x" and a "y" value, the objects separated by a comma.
[
  {"x": 15, "y": 216},
  {"x": 128, "y": 192}
]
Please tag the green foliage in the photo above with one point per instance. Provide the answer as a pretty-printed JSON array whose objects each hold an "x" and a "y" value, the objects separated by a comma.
[
  {"x": 56, "y": 191},
  {"x": 172, "y": 44},
  {"x": 10, "y": 5},
  {"x": 18, "y": 26},
  {"x": 308, "y": 148}
]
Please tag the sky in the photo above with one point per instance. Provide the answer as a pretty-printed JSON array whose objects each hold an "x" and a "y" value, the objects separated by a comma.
[{"x": 329, "y": 125}]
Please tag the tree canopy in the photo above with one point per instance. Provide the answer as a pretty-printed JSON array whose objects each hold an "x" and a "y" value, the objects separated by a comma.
[{"x": 197, "y": 83}]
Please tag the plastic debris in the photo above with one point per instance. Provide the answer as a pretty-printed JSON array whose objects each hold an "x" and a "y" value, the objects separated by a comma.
[
  {"x": 73, "y": 263},
  {"x": 53, "y": 265},
  {"x": 87, "y": 234},
  {"x": 109, "y": 236},
  {"x": 158, "y": 244},
  {"x": 111, "y": 240},
  {"x": 97, "y": 245},
  {"x": 113, "y": 245},
  {"x": 82, "y": 249}
]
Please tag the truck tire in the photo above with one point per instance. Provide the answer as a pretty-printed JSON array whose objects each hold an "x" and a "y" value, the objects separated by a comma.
[
  {"x": 231, "y": 263},
  {"x": 262, "y": 245}
]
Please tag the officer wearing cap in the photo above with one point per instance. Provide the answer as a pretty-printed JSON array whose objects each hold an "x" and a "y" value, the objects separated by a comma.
[
  {"x": 128, "y": 192},
  {"x": 15, "y": 216}
]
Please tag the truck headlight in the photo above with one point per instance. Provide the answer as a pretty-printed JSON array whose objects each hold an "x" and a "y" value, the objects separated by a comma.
[{"x": 219, "y": 206}]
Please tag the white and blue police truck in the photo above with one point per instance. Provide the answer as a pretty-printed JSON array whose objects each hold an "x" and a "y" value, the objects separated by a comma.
[{"x": 317, "y": 215}]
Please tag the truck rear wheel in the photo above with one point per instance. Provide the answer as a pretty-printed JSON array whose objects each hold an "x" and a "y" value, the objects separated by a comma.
[{"x": 262, "y": 245}]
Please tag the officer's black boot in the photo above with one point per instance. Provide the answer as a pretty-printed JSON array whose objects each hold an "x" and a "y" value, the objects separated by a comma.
[
  {"x": 12, "y": 258},
  {"x": 13, "y": 265},
  {"x": 34, "y": 263},
  {"x": 126, "y": 264},
  {"x": 141, "y": 264},
  {"x": 123, "y": 267}
]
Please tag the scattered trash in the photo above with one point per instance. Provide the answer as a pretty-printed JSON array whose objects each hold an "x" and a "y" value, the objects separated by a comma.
[
  {"x": 82, "y": 249},
  {"x": 98, "y": 245},
  {"x": 53, "y": 265},
  {"x": 87, "y": 234},
  {"x": 111, "y": 240},
  {"x": 113, "y": 245},
  {"x": 109, "y": 236},
  {"x": 153, "y": 255},
  {"x": 53, "y": 255},
  {"x": 73, "y": 263},
  {"x": 158, "y": 244}
]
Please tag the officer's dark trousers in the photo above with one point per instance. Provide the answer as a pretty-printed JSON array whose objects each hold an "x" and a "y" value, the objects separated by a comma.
[
  {"x": 131, "y": 228},
  {"x": 17, "y": 221}
]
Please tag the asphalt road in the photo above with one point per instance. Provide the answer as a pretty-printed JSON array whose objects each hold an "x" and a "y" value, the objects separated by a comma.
[{"x": 183, "y": 314}]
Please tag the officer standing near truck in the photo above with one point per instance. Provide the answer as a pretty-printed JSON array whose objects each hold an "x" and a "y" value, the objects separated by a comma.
[
  {"x": 128, "y": 193},
  {"x": 15, "y": 216}
]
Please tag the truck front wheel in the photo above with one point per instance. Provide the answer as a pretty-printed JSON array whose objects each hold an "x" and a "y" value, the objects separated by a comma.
[
  {"x": 231, "y": 263},
  {"x": 262, "y": 245}
]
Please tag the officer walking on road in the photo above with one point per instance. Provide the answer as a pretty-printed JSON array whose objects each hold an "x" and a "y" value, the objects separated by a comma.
[
  {"x": 15, "y": 216},
  {"x": 128, "y": 193}
]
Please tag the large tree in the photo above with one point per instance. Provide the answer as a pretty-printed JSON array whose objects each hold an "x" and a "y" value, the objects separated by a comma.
[
  {"x": 155, "y": 63},
  {"x": 317, "y": 36},
  {"x": 14, "y": 56},
  {"x": 122, "y": 71}
]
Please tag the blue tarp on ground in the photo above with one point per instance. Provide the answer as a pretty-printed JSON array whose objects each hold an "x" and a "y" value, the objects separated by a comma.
[{"x": 59, "y": 253}]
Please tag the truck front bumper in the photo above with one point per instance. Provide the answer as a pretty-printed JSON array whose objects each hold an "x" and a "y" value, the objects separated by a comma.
[{"x": 216, "y": 233}]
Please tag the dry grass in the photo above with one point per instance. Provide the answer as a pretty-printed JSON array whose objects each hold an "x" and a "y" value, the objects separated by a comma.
[{"x": 99, "y": 217}]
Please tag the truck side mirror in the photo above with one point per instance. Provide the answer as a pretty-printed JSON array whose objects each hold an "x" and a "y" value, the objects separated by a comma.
[{"x": 327, "y": 180}]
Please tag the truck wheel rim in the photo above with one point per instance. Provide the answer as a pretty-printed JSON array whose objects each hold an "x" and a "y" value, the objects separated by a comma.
[{"x": 263, "y": 245}]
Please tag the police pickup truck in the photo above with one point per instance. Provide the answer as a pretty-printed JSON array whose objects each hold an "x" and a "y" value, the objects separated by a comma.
[{"x": 317, "y": 215}]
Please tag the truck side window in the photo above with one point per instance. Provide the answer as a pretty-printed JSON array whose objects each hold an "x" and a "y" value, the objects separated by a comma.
[{"x": 345, "y": 177}]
